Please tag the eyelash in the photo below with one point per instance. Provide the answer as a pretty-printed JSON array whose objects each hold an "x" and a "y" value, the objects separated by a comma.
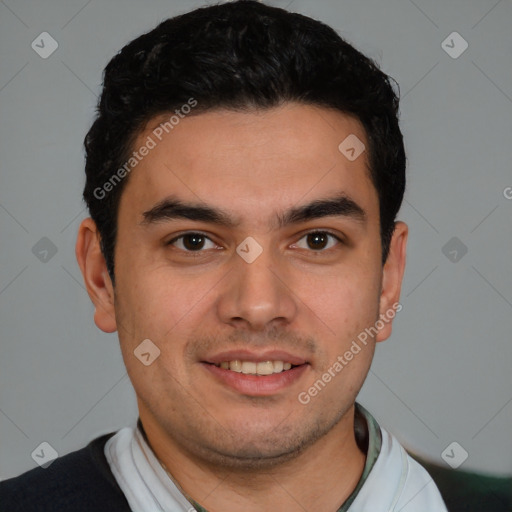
[{"x": 198, "y": 252}]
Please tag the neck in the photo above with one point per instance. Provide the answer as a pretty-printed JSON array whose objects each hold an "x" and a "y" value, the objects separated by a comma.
[{"x": 320, "y": 478}]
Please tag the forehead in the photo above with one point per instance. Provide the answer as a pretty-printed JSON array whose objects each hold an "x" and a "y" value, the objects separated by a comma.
[{"x": 252, "y": 164}]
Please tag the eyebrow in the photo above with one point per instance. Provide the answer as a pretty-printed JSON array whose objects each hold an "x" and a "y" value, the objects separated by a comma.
[{"x": 172, "y": 208}]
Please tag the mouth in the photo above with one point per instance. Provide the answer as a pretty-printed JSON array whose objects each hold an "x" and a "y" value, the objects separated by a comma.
[
  {"x": 256, "y": 368},
  {"x": 256, "y": 374}
]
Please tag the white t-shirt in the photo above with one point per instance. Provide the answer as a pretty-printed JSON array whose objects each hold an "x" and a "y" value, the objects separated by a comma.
[{"x": 392, "y": 481}]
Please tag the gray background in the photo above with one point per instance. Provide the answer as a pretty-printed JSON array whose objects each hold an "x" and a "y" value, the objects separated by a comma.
[{"x": 444, "y": 375}]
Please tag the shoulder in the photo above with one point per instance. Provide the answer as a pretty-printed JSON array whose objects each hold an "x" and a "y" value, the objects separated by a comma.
[
  {"x": 416, "y": 491},
  {"x": 79, "y": 481},
  {"x": 397, "y": 483},
  {"x": 467, "y": 491}
]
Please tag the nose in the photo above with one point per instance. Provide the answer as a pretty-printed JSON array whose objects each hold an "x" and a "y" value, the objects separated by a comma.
[{"x": 257, "y": 294}]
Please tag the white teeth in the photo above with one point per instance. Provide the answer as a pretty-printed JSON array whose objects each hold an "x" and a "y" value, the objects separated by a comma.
[
  {"x": 278, "y": 366},
  {"x": 248, "y": 367},
  {"x": 236, "y": 366},
  {"x": 253, "y": 368},
  {"x": 266, "y": 368}
]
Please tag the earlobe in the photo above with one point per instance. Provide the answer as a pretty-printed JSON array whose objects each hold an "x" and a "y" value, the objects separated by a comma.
[
  {"x": 96, "y": 278},
  {"x": 392, "y": 275}
]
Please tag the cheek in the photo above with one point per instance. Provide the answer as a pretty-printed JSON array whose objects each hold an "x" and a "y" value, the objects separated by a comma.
[
  {"x": 154, "y": 303},
  {"x": 347, "y": 305},
  {"x": 159, "y": 310},
  {"x": 346, "y": 298},
  {"x": 166, "y": 309}
]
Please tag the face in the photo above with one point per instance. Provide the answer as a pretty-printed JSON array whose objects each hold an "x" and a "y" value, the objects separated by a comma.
[{"x": 248, "y": 243}]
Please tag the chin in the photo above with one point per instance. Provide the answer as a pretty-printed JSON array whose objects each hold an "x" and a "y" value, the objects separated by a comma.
[
  {"x": 254, "y": 455},
  {"x": 252, "y": 448}
]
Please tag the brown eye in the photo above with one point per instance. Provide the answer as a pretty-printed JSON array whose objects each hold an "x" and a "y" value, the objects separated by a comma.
[
  {"x": 191, "y": 242},
  {"x": 319, "y": 240}
]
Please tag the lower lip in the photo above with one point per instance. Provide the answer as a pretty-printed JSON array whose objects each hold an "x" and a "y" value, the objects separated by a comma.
[{"x": 257, "y": 385}]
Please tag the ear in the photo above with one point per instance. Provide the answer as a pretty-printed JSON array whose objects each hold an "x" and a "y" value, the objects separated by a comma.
[
  {"x": 392, "y": 275},
  {"x": 95, "y": 274}
]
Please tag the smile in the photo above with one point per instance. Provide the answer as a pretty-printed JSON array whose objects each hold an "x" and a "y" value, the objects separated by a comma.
[{"x": 255, "y": 368}]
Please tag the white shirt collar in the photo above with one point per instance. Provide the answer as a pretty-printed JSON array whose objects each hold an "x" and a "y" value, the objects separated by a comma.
[{"x": 395, "y": 483}]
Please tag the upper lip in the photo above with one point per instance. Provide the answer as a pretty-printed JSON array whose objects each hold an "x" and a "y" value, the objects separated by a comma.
[{"x": 256, "y": 357}]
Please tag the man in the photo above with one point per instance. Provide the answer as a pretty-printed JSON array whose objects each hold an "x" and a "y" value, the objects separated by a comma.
[{"x": 243, "y": 178}]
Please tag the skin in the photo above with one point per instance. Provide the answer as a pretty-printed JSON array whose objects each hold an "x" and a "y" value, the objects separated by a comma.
[{"x": 229, "y": 450}]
